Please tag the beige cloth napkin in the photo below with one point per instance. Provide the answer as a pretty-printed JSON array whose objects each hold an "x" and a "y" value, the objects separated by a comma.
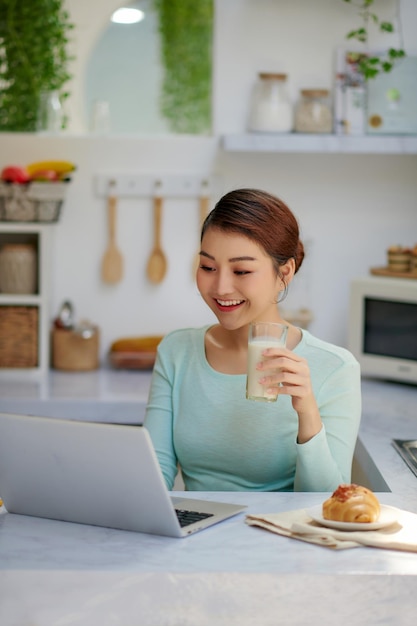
[{"x": 401, "y": 535}]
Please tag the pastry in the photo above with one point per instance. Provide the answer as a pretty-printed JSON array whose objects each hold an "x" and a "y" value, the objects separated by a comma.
[
  {"x": 352, "y": 503},
  {"x": 135, "y": 352}
]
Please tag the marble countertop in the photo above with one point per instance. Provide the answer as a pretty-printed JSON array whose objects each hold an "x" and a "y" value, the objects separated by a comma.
[
  {"x": 102, "y": 394},
  {"x": 101, "y": 385},
  {"x": 54, "y": 573}
]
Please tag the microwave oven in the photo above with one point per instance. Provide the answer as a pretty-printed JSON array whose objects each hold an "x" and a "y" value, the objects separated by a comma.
[{"x": 382, "y": 332}]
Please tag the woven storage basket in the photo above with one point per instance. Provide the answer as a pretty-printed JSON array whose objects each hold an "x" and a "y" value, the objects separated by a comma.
[
  {"x": 19, "y": 336},
  {"x": 73, "y": 353},
  {"x": 34, "y": 202}
]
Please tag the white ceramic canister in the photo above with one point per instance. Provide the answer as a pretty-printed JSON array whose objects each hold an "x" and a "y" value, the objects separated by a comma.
[
  {"x": 271, "y": 110},
  {"x": 18, "y": 268}
]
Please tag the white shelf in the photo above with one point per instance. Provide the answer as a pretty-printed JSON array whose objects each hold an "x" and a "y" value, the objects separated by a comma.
[
  {"x": 20, "y": 300},
  {"x": 297, "y": 142},
  {"x": 41, "y": 234}
]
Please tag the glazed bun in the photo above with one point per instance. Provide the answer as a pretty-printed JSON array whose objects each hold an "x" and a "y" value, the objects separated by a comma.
[{"x": 352, "y": 503}]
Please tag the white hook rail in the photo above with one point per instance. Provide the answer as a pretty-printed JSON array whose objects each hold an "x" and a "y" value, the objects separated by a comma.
[{"x": 144, "y": 185}]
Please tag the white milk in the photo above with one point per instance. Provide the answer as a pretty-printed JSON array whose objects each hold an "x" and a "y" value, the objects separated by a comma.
[{"x": 255, "y": 391}]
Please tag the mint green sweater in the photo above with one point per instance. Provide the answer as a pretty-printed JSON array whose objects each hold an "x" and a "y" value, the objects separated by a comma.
[{"x": 200, "y": 419}]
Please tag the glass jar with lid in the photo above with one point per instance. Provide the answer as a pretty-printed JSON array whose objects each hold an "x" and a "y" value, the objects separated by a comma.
[
  {"x": 271, "y": 109},
  {"x": 313, "y": 112}
]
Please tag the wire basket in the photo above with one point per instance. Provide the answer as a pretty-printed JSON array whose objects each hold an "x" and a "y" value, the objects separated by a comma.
[
  {"x": 19, "y": 331},
  {"x": 32, "y": 202}
]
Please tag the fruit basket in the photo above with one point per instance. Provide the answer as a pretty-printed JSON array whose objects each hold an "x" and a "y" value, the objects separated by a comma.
[
  {"x": 31, "y": 202},
  {"x": 34, "y": 193}
]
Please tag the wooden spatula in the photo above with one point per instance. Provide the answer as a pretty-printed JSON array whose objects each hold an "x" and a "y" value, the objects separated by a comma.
[
  {"x": 157, "y": 263},
  {"x": 112, "y": 263}
]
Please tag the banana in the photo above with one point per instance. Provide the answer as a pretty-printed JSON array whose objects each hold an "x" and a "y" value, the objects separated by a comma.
[
  {"x": 60, "y": 167},
  {"x": 136, "y": 344}
]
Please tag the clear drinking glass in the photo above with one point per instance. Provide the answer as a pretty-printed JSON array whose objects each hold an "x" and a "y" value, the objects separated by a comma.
[{"x": 262, "y": 335}]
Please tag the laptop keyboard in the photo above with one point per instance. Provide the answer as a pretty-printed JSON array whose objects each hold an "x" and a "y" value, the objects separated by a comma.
[{"x": 189, "y": 517}]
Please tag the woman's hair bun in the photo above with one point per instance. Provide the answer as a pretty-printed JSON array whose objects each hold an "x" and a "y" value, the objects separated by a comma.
[{"x": 299, "y": 255}]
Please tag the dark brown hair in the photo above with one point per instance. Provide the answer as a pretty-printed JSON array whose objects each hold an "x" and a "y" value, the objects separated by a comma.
[{"x": 263, "y": 218}]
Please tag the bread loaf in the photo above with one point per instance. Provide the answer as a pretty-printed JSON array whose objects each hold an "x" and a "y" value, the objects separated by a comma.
[
  {"x": 136, "y": 344},
  {"x": 352, "y": 503}
]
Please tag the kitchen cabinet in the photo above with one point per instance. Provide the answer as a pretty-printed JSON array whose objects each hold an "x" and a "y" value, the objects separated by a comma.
[
  {"x": 15, "y": 307},
  {"x": 299, "y": 142}
]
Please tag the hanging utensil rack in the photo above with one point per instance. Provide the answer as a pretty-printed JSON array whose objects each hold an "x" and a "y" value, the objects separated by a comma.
[{"x": 143, "y": 185}]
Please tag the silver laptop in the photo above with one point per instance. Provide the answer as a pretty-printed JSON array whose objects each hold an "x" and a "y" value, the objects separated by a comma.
[{"x": 94, "y": 473}]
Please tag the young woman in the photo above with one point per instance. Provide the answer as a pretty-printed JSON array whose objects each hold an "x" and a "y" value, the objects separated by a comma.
[{"x": 198, "y": 415}]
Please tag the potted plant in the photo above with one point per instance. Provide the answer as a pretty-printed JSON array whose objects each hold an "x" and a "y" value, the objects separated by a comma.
[
  {"x": 33, "y": 59},
  {"x": 186, "y": 28},
  {"x": 370, "y": 65}
]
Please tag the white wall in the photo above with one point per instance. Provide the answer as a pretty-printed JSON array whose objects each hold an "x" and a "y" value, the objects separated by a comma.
[
  {"x": 297, "y": 37},
  {"x": 351, "y": 207}
]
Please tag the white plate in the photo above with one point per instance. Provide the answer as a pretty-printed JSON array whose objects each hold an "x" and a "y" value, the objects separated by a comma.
[{"x": 387, "y": 516}]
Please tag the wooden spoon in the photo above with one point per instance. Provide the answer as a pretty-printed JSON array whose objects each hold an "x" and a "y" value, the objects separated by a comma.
[
  {"x": 112, "y": 263},
  {"x": 157, "y": 263},
  {"x": 203, "y": 205}
]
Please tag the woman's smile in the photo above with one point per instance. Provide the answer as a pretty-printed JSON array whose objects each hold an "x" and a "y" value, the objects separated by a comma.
[{"x": 228, "y": 305}]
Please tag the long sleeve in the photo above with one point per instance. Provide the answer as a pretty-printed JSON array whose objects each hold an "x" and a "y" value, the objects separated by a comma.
[
  {"x": 159, "y": 420},
  {"x": 325, "y": 461}
]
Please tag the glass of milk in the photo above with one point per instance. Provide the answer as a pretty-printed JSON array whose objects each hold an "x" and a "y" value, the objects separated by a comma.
[{"x": 262, "y": 335}]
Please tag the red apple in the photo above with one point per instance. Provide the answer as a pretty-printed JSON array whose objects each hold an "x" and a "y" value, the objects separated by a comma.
[
  {"x": 45, "y": 175},
  {"x": 15, "y": 174}
]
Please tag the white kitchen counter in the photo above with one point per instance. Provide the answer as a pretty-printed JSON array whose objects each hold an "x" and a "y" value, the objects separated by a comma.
[
  {"x": 55, "y": 574},
  {"x": 104, "y": 394}
]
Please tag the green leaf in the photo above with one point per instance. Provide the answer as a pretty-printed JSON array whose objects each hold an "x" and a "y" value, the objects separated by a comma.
[
  {"x": 370, "y": 72},
  {"x": 386, "y": 27},
  {"x": 373, "y": 66},
  {"x": 387, "y": 66},
  {"x": 186, "y": 31},
  {"x": 396, "y": 54},
  {"x": 360, "y": 34}
]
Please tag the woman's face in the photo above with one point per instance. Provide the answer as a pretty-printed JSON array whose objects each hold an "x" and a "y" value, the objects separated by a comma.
[{"x": 237, "y": 280}]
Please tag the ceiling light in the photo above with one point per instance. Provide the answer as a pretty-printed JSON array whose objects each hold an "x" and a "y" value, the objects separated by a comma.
[{"x": 127, "y": 16}]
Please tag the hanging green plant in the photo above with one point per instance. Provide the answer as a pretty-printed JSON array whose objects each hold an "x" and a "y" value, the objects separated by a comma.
[
  {"x": 186, "y": 30},
  {"x": 372, "y": 65},
  {"x": 33, "y": 59}
]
